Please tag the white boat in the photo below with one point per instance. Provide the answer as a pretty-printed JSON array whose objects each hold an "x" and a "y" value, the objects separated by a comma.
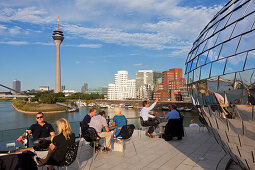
[{"x": 128, "y": 106}]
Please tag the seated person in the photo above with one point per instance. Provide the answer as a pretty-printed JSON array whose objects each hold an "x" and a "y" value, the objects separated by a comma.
[
  {"x": 119, "y": 120},
  {"x": 59, "y": 145},
  {"x": 193, "y": 124},
  {"x": 98, "y": 123},
  {"x": 174, "y": 126},
  {"x": 148, "y": 119},
  {"x": 87, "y": 118},
  {"x": 41, "y": 129}
]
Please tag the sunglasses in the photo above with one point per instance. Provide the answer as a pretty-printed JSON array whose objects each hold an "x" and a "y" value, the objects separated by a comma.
[{"x": 39, "y": 117}]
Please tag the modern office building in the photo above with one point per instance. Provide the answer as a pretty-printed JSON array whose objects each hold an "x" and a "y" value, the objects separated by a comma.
[
  {"x": 169, "y": 89},
  {"x": 145, "y": 83},
  {"x": 123, "y": 88},
  {"x": 16, "y": 85},
  {"x": 58, "y": 37},
  {"x": 84, "y": 88},
  {"x": 220, "y": 75}
]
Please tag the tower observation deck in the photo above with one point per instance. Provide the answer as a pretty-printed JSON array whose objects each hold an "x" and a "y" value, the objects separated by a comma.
[{"x": 58, "y": 37}]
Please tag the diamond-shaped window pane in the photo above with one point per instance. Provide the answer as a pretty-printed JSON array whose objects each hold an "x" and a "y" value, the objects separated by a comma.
[
  {"x": 202, "y": 59},
  {"x": 237, "y": 13},
  {"x": 229, "y": 48},
  {"x": 250, "y": 61},
  {"x": 218, "y": 67},
  {"x": 213, "y": 54},
  {"x": 225, "y": 34},
  {"x": 205, "y": 71},
  {"x": 247, "y": 42},
  {"x": 251, "y": 8},
  {"x": 235, "y": 63},
  {"x": 244, "y": 25}
]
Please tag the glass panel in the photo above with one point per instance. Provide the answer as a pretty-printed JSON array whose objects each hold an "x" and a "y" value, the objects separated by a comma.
[
  {"x": 225, "y": 34},
  {"x": 244, "y": 25},
  {"x": 248, "y": 78},
  {"x": 218, "y": 67},
  {"x": 251, "y": 7},
  {"x": 238, "y": 13},
  {"x": 202, "y": 59},
  {"x": 194, "y": 54},
  {"x": 211, "y": 30},
  {"x": 205, "y": 71},
  {"x": 213, "y": 54},
  {"x": 222, "y": 23},
  {"x": 229, "y": 48},
  {"x": 250, "y": 61},
  {"x": 196, "y": 74},
  {"x": 201, "y": 47},
  {"x": 212, "y": 84},
  {"x": 226, "y": 82},
  {"x": 186, "y": 78},
  {"x": 247, "y": 42},
  {"x": 188, "y": 66},
  {"x": 235, "y": 63},
  {"x": 240, "y": 89},
  {"x": 191, "y": 77},
  {"x": 194, "y": 63}
]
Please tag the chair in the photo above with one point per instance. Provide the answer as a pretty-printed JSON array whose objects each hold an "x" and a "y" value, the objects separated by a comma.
[
  {"x": 143, "y": 126},
  {"x": 70, "y": 156},
  {"x": 125, "y": 134},
  {"x": 90, "y": 135}
]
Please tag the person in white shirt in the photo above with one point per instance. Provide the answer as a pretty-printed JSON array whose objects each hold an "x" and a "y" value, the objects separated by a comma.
[
  {"x": 149, "y": 120},
  {"x": 193, "y": 124}
]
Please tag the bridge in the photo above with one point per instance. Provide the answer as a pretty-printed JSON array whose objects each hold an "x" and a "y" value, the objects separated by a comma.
[{"x": 9, "y": 88}]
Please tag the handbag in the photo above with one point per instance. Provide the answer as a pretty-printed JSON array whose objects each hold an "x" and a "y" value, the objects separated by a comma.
[{"x": 117, "y": 147}]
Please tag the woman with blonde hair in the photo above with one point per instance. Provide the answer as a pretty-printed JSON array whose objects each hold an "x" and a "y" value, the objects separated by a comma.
[
  {"x": 59, "y": 145},
  {"x": 119, "y": 120}
]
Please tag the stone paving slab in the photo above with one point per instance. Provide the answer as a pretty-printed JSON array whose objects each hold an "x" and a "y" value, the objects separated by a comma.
[{"x": 198, "y": 150}]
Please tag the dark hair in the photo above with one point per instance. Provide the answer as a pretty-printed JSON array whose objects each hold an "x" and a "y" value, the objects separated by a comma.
[
  {"x": 101, "y": 112},
  {"x": 92, "y": 109},
  {"x": 40, "y": 113},
  {"x": 172, "y": 105},
  {"x": 144, "y": 103}
]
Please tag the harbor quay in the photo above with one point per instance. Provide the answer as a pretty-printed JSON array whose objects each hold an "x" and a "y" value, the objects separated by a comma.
[
  {"x": 138, "y": 103},
  {"x": 197, "y": 151}
]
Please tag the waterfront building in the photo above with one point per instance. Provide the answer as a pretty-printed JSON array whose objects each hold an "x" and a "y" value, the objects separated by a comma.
[
  {"x": 169, "y": 89},
  {"x": 84, "y": 88},
  {"x": 220, "y": 76},
  {"x": 16, "y": 85},
  {"x": 68, "y": 92},
  {"x": 58, "y": 37},
  {"x": 100, "y": 90},
  {"x": 123, "y": 88},
  {"x": 44, "y": 88},
  {"x": 145, "y": 83}
]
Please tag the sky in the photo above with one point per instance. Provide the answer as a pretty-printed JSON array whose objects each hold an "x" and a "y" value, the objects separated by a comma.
[{"x": 101, "y": 38}]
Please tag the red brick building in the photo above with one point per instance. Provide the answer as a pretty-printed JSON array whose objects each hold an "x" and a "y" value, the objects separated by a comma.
[{"x": 169, "y": 90}]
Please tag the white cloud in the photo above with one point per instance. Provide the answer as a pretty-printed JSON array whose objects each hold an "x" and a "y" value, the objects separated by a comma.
[
  {"x": 14, "y": 42},
  {"x": 15, "y": 30},
  {"x": 148, "y": 24},
  {"x": 85, "y": 45},
  {"x": 45, "y": 43}
]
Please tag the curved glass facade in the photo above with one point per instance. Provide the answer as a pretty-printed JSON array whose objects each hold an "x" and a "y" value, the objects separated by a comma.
[{"x": 220, "y": 73}]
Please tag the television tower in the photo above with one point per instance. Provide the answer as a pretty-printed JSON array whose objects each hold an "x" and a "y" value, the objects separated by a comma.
[{"x": 58, "y": 37}]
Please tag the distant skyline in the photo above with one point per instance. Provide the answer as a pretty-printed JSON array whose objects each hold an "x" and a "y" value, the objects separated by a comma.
[{"x": 101, "y": 38}]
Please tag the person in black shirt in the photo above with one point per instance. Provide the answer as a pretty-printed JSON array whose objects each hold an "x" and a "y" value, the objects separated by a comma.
[
  {"x": 59, "y": 145},
  {"x": 87, "y": 118},
  {"x": 41, "y": 129}
]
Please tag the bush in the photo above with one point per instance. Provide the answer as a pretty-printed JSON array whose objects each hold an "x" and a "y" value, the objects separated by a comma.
[{"x": 48, "y": 98}]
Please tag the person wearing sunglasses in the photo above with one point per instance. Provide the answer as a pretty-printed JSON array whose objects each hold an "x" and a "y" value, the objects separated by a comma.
[{"x": 41, "y": 129}]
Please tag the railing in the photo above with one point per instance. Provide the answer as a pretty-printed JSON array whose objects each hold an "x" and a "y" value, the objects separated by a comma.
[{"x": 13, "y": 134}]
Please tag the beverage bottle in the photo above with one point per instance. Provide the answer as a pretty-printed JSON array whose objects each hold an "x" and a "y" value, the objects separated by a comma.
[{"x": 26, "y": 140}]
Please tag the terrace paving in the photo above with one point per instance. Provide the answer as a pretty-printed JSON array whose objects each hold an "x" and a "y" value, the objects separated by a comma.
[{"x": 198, "y": 150}]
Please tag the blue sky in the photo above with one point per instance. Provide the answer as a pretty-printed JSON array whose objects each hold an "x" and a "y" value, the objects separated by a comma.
[{"x": 101, "y": 37}]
